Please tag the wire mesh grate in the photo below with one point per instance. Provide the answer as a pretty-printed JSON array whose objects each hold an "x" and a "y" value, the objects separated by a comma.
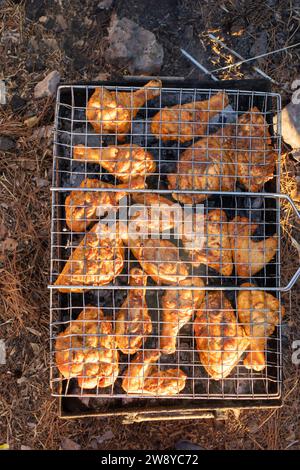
[{"x": 165, "y": 244}]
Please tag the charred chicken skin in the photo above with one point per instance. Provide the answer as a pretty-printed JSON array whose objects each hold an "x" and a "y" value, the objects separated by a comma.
[
  {"x": 214, "y": 249},
  {"x": 253, "y": 153},
  {"x": 133, "y": 320},
  {"x": 113, "y": 111},
  {"x": 220, "y": 339},
  {"x": 249, "y": 256},
  {"x": 178, "y": 307},
  {"x": 205, "y": 166},
  {"x": 153, "y": 214},
  {"x": 183, "y": 122},
  {"x": 144, "y": 377},
  {"x": 97, "y": 260},
  {"x": 259, "y": 314},
  {"x": 125, "y": 161},
  {"x": 87, "y": 350},
  {"x": 83, "y": 207}
]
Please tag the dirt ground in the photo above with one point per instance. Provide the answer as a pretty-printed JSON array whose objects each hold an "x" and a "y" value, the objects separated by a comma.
[{"x": 33, "y": 42}]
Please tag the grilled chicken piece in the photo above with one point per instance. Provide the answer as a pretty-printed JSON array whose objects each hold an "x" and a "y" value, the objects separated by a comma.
[
  {"x": 113, "y": 111},
  {"x": 178, "y": 307},
  {"x": 154, "y": 214},
  {"x": 210, "y": 243},
  {"x": 220, "y": 340},
  {"x": 158, "y": 258},
  {"x": 205, "y": 166},
  {"x": 144, "y": 377},
  {"x": 254, "y": 155},
  {"x": 82, "y": 207},
  {"x": 125, "y": 161},
  {"x": 259, "y": 314},
  {"x": 87, "y": 350},
  {"x": 133, "y": 320},
  {"x": 183, "y": 122},
  {"x": 97, "y": 260},
  {"x": 249, "y": 256}
]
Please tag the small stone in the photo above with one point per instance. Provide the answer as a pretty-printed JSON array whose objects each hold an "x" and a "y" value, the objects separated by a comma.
[
  {"x": 25, "y": 448},
  {"x": 68, "y": 444},
  {"x": 41, "y": 182},
  {"x": 6, "y": 143},
  {"x": 31, "y": 121},
  {"x": 107, "y": 436},
  {"x": 17, "y": 103},
  {"x": 60, "y": 20},
  {"x": 290, "y": 125},
  {"x": 104, "y": 5},
  {"x": 43, "y": 19},
  {"x": 133, "y": 47},
  {"x": 44, "y": 132},
  {"x": 48, "y": 86},
  {"x": 260, "y": 45},
  {"x": 102, "y": 77}
]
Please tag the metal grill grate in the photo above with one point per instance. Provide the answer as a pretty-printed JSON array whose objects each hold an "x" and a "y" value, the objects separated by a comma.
[{"x": 219, "y": 215}]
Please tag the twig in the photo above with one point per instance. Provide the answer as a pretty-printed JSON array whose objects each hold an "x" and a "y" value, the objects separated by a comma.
[{"x": 236, "y": 54}]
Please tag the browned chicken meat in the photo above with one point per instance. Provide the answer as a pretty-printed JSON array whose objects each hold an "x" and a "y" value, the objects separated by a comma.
[
  {"x": 97, "y": 260},
  {"x": 125, "y": 161},
  {"x": 178, "y": 307},
  {"x": 133, "y": 322},
  {"x": 153, "y": 214},
  {"x": 113, "y": 111},
  {"x": 183, "y": 122},
  {"x": 249, "y": 256},
  {"x": 87, "y": 350},
  {"x": 159, "y": 259},
  {"x": 209, "y": 243},
  {"x": 205, "y": 166},
  {"x": 84, "y": 207},
  {"x": 220, "y": 339},
  {"x": 259, "y": 313},
  {"x": 254, "y": 155},
  {"x": 144, "y": 377}
]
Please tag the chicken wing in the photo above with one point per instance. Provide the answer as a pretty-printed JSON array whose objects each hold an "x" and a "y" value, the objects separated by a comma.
[
  {"x": 249, "y": 256},
  {"x": 183, "y": 122},
  {"x": 97, "y": 260},
  {"x": 220, "y": 340},
  {"x": 259, "y": 314},
  {"x": 178, "y": 307},
  {"x": 205, "y": 166},
  {"x": 83, "y": 207},
  {"x": 133, "y": 320},
  {"x": 159, "y": 259},
  {"x": 87, "y": 350},
  {"x": 153, "y": 214},
  {"x": 253, "y": 154},
  {"x": 113, "y": 111},
  {"x": 144, "y": 377},
  {"x": 210, "y": 243},
  {"x": 123, "y": 161}
]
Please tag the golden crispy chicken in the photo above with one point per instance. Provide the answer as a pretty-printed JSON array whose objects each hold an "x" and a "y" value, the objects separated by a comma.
[
  {"x": 183, "y": 122},
  {"x": 133, "y": 320},
  {"x": 254, "y": 155},
  {"x": 220, "y": 339},
  {"x": 97, "y": 260},
  {"x": 249, "y": 256},
  {"x": 82, "y": 207},
  {"x": 154, "y": 214},
  {"x": 158, "y": 258},
  {"x": 259, "y": 314},
  {"x": 87, "y": 350},
  {"x": 205, "y": 166},
  {"x": 113, "y": 111},
  {"x": 124, "y": 161},
  {"x": 144, "y": 377},
  {"x": 178, "y": 307},
  {"x": 210, "y": 243}
]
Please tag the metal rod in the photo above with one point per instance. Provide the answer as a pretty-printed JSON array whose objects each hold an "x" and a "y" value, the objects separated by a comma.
[
  {"x": 200, "y": 66},
  {"x": 236, "y": 54}
]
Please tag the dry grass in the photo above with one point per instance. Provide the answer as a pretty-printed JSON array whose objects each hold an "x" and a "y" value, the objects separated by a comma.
[{"x": 28, "y": 414}]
